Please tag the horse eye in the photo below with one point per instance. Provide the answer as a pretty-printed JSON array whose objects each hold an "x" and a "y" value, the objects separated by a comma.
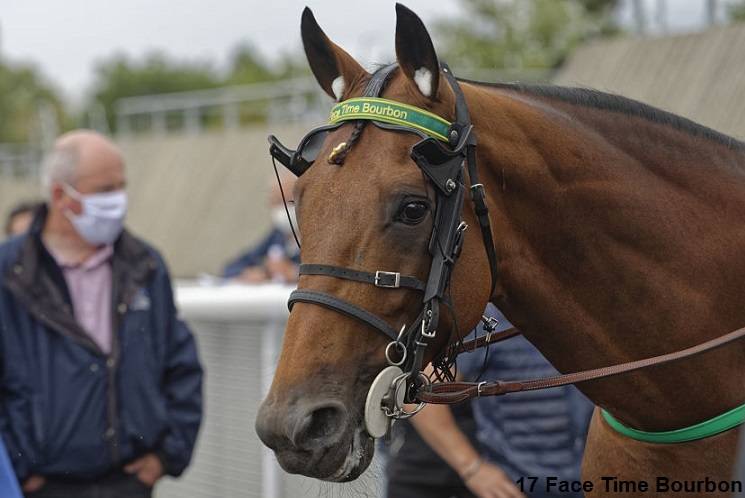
[{"x": 413, "y": 212}]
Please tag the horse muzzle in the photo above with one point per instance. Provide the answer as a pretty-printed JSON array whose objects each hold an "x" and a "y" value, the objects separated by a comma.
[{"x": 315, "y": 439}]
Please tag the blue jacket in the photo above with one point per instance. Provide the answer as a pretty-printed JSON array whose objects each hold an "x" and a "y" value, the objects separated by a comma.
[
  {"x": 68, "y": 409},
  {"x": 255, "y": 256},
  {"x": 528, "y": 434}
]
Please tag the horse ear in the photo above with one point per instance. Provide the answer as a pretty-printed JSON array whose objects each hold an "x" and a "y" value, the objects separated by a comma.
[
  {"x": 334, "y": 69},
  {"x": 415, "y": 52}
]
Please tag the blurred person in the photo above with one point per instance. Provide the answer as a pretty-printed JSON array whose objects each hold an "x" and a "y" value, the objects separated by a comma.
[
  {"x": 520, "y": 435},
  {"x": 276, "y": 257},
  {"x": 415, "y": 470},
  {"x": 19, "y": 218},
  {"x": 101, "y": 382}
]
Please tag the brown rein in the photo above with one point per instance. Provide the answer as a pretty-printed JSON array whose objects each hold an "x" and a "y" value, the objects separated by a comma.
[{"x": 448, "y": 393}]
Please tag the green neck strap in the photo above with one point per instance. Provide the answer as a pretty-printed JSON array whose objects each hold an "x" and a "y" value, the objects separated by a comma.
[
  {"x": 390, "y": 111},
  {"x": 707, "y": 428}
]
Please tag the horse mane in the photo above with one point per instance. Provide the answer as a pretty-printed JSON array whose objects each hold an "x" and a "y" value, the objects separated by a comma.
[{"x": 615, "y": 103}]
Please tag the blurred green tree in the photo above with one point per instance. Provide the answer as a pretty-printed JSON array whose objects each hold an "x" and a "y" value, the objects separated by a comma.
[
  {"x": 522, "y": 34},
  {"x": 247, "y": 66},
  {"x": 24, "y": 97},
  {"x": 120, "y": 76},
  {"x": 736, "y": 11}
]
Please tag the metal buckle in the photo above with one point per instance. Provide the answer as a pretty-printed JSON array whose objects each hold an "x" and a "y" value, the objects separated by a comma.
[
  {"x": 477, "y": 187},
  {"x": 396, "y": 279},
  {"x": 490, "y": 323},
  {"x": 428, "y": 335}
]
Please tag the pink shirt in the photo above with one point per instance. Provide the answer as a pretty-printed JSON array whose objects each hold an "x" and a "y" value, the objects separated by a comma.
[{"x": 89, "y": 284}]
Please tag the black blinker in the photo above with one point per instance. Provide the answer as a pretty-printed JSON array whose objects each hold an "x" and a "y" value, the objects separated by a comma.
[
  {"x": 439, "y": 164},
  {"x": 288, "y": 157}
]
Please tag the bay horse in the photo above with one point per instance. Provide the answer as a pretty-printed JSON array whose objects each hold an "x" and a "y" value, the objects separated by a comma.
[{"x": 619, "y": 235}]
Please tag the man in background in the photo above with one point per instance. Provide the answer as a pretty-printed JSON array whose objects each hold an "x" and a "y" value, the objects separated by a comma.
[
  {"x": 101, "y": 384},
  {"x": 19, "y": 218},
  {"x": 276, "y": 257}
]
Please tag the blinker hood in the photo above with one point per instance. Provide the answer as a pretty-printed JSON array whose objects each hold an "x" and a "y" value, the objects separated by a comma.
[{"x": 439, "y": 154}]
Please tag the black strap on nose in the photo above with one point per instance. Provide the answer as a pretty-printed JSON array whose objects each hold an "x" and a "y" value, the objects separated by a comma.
[
  {"x": 349, "y": 309},
  {"x": 382, "y": 279},
  {"x": 387, "y": 279}
]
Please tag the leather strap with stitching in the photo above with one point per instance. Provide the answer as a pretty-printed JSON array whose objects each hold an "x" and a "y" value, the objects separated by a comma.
[
  {"x": 483, "y": 341},
  {"x": 455, "y": 392}
]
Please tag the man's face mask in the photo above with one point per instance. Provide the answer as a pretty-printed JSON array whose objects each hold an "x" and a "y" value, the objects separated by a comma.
[{"x": 102, "y": 219}]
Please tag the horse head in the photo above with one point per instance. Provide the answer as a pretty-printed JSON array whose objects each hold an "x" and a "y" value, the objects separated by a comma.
[{"x": 363, "y": 205}]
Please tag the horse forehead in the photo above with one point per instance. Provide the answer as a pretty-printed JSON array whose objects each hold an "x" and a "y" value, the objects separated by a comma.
[{"x": 379, "y": 159}]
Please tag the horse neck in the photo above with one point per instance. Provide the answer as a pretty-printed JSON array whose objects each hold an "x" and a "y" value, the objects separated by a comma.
[{"x": 619, "y": 238}]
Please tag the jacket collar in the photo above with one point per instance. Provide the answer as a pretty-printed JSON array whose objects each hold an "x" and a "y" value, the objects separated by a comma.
[{"x": 38, "y": 283}]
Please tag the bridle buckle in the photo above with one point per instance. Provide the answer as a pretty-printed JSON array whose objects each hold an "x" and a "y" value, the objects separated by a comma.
[{"x": 380, "y": 275}]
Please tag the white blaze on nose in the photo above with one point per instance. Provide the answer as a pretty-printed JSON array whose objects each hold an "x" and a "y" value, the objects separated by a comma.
[
  {"x": 423, "y": 79},
  {"x": 337, "y": 86}
]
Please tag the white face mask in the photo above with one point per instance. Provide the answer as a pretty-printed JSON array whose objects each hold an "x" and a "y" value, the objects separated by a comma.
[
  {"x": 102, "y": 219},
  {"x": 280, "y": 220}
]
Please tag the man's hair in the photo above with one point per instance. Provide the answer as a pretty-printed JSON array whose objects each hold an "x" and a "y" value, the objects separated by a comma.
[
  {"x": 19, "y": 209},
  {"x": 59, "y": 165}
]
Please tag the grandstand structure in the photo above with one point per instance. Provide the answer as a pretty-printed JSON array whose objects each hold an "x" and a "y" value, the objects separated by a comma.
[{"x": 700, "y": 76}]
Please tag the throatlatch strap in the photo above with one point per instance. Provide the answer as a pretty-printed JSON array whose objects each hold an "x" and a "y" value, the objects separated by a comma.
[
  {"x": 349, "y": 309},
  {"x": 390, "y": 111},
  {"x": 385, "y": 279}
]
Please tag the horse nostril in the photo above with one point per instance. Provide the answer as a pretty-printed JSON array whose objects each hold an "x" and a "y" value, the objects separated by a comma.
[{"x": 321, "y": 426}]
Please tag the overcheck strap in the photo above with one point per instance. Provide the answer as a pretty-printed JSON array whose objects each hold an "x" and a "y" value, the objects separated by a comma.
[{"x": 390, "y": 111}]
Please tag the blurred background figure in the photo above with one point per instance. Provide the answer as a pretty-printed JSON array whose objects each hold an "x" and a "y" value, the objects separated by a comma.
[
  {"x": 415, "y": 470},
  {"x": 536, "y": 434},
  {"x": 100, "y": 381},
  {"x": 277, "y": 256},
  {"x": 19, "y": 218}
]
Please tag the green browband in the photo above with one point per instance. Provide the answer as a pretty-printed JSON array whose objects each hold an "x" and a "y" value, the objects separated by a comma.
[
  {"x": 702, "y": 430},
  {"x": 390, "y": 111}
]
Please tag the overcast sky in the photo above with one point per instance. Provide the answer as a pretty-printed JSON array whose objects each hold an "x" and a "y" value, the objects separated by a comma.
[{"x": 66, "y": 37}]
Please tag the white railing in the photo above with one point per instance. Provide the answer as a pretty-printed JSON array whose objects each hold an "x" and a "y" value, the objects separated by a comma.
[
  {"x": 239, "y": 331},
  {"x": 291, "y": 100},
  {"x": 20, "y": 160},
  {"x": 286, "y": 101}
]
